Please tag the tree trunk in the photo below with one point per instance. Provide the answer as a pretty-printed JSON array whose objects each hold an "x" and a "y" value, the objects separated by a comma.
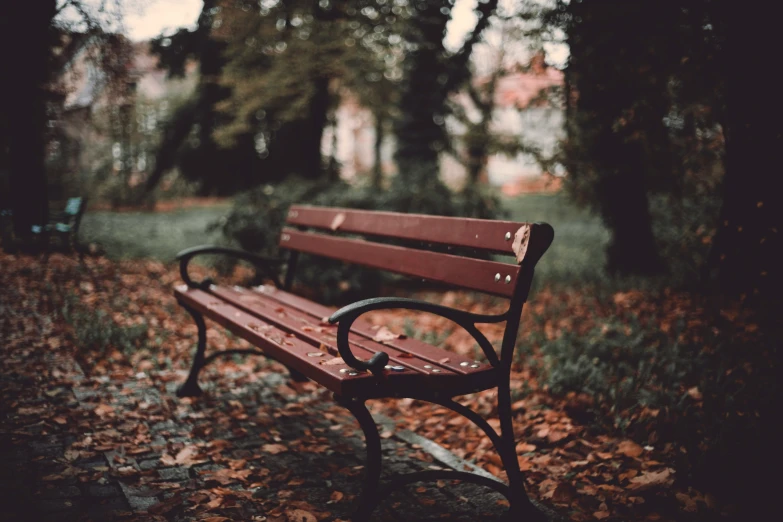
[
  {"x": 617, "y": 142},
  {"x": 746, "y": 257},
  {"x": 419, "y": 136},
  {"x": 377, "y": 170},
  {"x": 23, "y": 110},
  {"x": 312, "y": 160}
]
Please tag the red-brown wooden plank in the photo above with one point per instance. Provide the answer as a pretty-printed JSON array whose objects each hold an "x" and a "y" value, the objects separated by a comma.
[
  {"x": 465, "y": 272},
  {"x": 474, "y": 233},
  {"x": 422, "y": 350},
  {"x": 292, "y": 351},
  {"x": 288, "y": 350},
  {"x": 308, "y": 329}
]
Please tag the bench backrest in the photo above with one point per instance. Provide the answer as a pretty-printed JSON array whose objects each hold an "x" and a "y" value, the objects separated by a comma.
[
  {"x": 489, "y": 236},
  {"x": 73, "y": 207}
]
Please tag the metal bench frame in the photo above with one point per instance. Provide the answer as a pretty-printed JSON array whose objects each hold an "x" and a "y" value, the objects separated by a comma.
[{"x": 541, "y": 236}]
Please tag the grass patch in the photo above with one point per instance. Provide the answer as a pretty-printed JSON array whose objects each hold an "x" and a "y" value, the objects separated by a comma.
[
  {"x": 97, "y": 333},
  {"x": 158, "y": 235}
]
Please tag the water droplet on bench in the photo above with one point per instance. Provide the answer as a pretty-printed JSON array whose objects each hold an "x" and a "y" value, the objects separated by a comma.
[
  {"x": 437, "y": 370},
  {"x": 474, "y": 365},
  {"x": 352, "y": 373},
  {"x": 428, "y": 366},
  {"x": 343, "y": 370},
  {"x": 398, "y": 368},
  {"x": 464, "y": 363},
  {"x": 315, "y": 354}
]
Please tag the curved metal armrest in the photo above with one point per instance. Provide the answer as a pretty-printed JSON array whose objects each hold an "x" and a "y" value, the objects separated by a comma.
[
  {"x": 266, "y": 264},
  {"x": 348, "y": 314}
]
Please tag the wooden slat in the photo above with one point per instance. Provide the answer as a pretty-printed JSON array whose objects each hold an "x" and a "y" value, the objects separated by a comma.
[
  {"x": 308, "y": 329},
  {"x": 464, "y": 272},
  {"x": 293, "y": 352},
  {"x": 427, "y": 352},
  {"x": 289, "y": 351},
  {"x": 474, "y": 233}
]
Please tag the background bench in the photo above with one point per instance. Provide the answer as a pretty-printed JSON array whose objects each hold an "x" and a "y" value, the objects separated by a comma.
[{"x": 357, "y": 362}]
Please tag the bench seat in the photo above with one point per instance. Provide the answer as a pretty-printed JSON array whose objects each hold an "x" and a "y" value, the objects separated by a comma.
[{"x": 294, "y": 331}]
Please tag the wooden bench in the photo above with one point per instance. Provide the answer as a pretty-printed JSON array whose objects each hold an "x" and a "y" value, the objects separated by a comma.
[
  {"x": 63, "y": 225},
  {"x": 296, "y": 332}
]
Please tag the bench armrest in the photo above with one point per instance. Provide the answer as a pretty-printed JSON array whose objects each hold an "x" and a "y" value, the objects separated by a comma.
[
  {"x": 265, "y": 264},
  {"x": 346, "y": 316}
]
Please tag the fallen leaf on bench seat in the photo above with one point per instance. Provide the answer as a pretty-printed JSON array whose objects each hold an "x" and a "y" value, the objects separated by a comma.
[
  {"x": 384, "y": 334},
  {"x": 333, "y": 362},
  {"x": 338, "y": 220}
]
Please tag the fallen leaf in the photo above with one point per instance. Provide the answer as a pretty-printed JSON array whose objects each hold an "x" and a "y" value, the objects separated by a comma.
[
  {"x": 695, "y": 394},
  {"x": 630, "y": 449},
  {"x": 521, "y": 240},
  {"x": 300, "y": 515},
  {"x": 333, "y": 362},
  {"x": 563, "y": 493},
  {"x": 103, "y": 409},
  {"x": 651, "y": 479},
  {"x": 384, "y": 335},
  {"x": 338, "y": 220},
  {"x": 186, "y": 456},
  {"x": 274, "y": 449}
]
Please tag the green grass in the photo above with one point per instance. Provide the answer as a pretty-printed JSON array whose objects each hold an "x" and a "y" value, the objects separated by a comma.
[
  {"x": 577, "y": 253},
  {"x": 124, "y": 235}
]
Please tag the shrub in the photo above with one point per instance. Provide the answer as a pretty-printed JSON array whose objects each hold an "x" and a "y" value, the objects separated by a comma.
[{"x": 708, "y": 386}]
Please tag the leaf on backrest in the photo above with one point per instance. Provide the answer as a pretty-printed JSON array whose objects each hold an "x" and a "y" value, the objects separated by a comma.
[
  {"x": 337, "y": 221},
  {"x": 521, "y": 240}
]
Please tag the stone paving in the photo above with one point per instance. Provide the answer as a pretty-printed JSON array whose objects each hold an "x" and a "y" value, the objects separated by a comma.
[{"x": 284, "y": 454}]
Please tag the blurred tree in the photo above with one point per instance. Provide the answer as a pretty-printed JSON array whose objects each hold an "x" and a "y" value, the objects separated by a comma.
[
  {"x": 617, "y": 144},
  {"x": 44, "y": 27},
  {"x": 188, "y": 135},
  {"x": 289, "y": 62},
  {"x": 644, "y": 107},
  {"x": 431, "y": 74}
]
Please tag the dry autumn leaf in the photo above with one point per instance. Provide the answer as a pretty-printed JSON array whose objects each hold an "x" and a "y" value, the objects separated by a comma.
[
  {"x": 300, "y": 515},
  {"x": 384, "y": 335},
  {"x": 521, "y": 239},
  {"x": 273, "y": 449},
  {"x": 651, "y": 479},
  {"x": 630, "y": 449},
  {"x": 187, "y": 456},
  {"x": 338, "y": 220}
]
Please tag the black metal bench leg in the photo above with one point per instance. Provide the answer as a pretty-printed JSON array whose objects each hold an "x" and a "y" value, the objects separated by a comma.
[
  {"x": 369, "y": 497},
  {"x": 191, "y": 388},
  {"x": 522, "y": 509}
]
